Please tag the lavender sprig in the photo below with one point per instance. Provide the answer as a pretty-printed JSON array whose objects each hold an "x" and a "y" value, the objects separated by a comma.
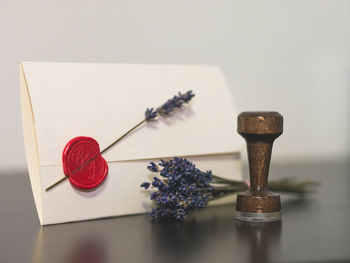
[
  {"x": 165, "y": 110},
  {"x": 180, "y": 188},
  {"x": 170, "y": 106}
]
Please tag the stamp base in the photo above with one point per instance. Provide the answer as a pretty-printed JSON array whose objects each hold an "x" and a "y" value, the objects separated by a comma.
[{"x": 258, "y": 217}]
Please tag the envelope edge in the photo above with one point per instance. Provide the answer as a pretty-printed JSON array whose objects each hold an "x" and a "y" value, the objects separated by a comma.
[{"x": 30, "y": 143}]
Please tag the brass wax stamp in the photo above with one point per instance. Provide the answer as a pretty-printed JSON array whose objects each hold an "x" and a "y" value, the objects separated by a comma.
[{"x": 258, "y": 203}]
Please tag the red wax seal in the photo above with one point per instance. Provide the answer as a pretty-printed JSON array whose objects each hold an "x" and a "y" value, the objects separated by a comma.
[{"x": 83, "y": 163}]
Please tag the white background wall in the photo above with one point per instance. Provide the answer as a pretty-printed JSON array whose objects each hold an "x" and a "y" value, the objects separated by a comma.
[{"x": 291, "y": 56}]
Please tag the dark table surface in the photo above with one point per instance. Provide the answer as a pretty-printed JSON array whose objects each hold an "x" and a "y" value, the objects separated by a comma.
[{"x": 315, "y": 228}]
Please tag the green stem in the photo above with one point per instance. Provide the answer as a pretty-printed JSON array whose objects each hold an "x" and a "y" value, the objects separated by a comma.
[
  {"x": 122, "y": 137},
  {"x": 218, "y": 179}
]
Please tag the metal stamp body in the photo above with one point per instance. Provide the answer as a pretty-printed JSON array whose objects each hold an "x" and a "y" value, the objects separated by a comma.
[{"x": 258, "y": 203}]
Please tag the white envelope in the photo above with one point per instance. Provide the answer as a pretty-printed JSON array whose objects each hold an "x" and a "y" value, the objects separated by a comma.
[{"x": 61, "y": 101}]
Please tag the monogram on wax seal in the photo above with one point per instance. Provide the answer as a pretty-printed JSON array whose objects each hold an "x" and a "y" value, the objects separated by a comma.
[{"x": 83, "y": 163}]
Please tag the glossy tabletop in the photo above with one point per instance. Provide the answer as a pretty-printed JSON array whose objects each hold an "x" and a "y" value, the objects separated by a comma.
[{"x": 315, "y": 228}]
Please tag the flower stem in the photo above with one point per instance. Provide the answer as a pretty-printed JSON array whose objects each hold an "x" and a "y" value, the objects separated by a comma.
[
  {"x": 56, "y": 183},
  {"x": 221, "y": 180},
  {"x": 121, "y": 137}
]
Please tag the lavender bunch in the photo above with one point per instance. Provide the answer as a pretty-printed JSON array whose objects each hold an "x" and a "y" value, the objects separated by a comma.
[{"x": 180, "y": 188}]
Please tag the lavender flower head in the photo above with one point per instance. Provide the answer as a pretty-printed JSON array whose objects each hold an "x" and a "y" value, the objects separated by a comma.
[
  {"x": 150, "y": 113},
  {"x": 170, "y": 106},
  {"x": 177, "y": 188}
]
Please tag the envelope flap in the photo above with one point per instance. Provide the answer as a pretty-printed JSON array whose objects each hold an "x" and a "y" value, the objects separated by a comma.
[{"x": 104, "y": 101}]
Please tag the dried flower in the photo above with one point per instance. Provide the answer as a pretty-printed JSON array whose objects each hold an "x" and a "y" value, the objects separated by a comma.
[
  {"x": 150, "y": 114},
  {"x": 170, "y": 106},
  {"x": 153, "y": 167},
  {"x": 178, "y": 188},
  {"x": 145, "y": 185},
  {"x": 175, "y": 103}
]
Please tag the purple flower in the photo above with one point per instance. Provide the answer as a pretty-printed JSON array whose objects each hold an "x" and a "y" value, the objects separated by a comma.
[
  {"x": 145, "y": 185},
  {"x": 175, "y": 103},
  {"x": 179, "y": 188},
  {"x": 152, "y": 167},
  {"x": 187, "y": 96},
  {"x": 150, "y": 114},
  {"x": 170, "y": 106}
]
